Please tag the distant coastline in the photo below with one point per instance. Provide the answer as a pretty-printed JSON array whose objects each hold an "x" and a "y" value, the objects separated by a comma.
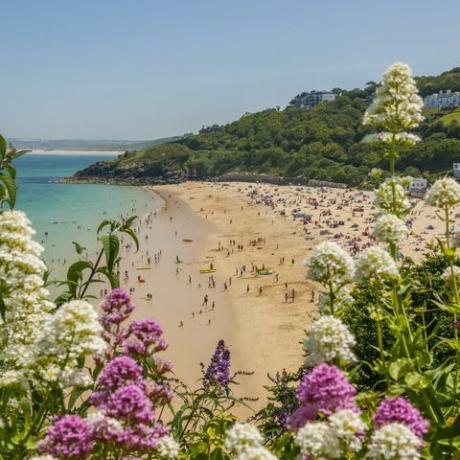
[{"x": 79, "y": 151}]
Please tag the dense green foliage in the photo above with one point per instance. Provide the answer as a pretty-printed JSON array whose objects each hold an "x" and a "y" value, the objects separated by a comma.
[{"x": 322, "y": 143}]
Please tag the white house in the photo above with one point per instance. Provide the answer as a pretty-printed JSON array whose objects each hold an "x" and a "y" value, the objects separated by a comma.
[
  {"x": 418, "y": 187},
  {"x": 442, "y": 99},
  {"x": 456, "y": 169}
]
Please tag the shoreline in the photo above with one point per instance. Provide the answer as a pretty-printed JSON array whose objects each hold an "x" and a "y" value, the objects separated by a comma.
[{"x": 251, "y": 313}]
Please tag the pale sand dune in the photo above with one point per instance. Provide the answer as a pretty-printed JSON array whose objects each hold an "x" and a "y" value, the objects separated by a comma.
[{"x": 261, "y": 329}]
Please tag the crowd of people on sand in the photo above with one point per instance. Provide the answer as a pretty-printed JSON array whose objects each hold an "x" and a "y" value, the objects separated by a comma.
[{"x": 343, "y": 215}]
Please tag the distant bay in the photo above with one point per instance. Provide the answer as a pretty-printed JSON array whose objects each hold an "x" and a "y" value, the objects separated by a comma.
[{"x": 62, "y": 213}]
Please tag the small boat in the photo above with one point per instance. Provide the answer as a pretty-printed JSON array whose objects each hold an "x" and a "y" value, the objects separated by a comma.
[
  {"x": 187, "y": 240},
  {"x": 143, "y": 268},
  {"x": 207, "y": 270},
  {"x": 265, "y": 272}
]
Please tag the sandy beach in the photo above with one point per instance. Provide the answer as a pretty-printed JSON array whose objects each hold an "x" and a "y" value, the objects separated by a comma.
[{"x": 255, "y": 238}]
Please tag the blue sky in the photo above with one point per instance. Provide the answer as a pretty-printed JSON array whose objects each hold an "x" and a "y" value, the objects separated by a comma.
[{"x": 142, "y": 69}]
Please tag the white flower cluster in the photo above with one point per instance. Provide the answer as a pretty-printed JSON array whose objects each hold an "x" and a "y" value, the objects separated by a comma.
[
  {"x": 103, "y": 424},
  {"x": 73, "y": 332},
  {"x": 316, "y": 439},
  {"x": 375, "y": 263},
  {"x": 400, "y": 138},
  {"x": 390, "y": 229},
  {"x": 342, "y": 431},
  {"x": 329, "y": 262},
  {"x": 443, "y": 193},
  {"x": 448, "y": 273},
  {"x": 348, "y": 428},
  {"x": 394, "y": 441},
  {"x": 245, "y": 441},
  {"x": 397, "y": 107},
  {"x": 167, "y": 447},
  {"x": 43, "y": 457},
  {"x": 342, "y": 299},
  {"x": 391, "y": 197},
  {"x": 21, "y": 282},
  {"x": 328, "y": 339}
]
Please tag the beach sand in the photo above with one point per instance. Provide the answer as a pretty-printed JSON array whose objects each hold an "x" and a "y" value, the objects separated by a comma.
[{"x": 239, "y": 226}]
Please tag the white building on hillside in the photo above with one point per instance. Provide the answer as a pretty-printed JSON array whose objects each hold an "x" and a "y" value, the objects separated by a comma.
[
  {"x": 456, "y": 169},
  {"x": 309, "y": 100},
  {"x": 442, "y": 99}
]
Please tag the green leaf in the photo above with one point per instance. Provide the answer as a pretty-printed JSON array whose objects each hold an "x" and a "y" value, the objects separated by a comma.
[
  {"x": 3, "y": 147},
  {"x": 10, "y": 186},
  {"x": 11, "y": 170},
  {"x": 103, "y": 224},
  {"x": 132, "y": 234},
  {"x": 73, "y": 274},
  {"x": 78, "y": 247},
  {"x": 113, "y": 279},
  {"x": 111, "y": 245}
]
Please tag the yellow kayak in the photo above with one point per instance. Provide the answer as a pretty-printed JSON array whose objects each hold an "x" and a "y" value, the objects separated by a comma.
[{"x": 207, "y": 270}]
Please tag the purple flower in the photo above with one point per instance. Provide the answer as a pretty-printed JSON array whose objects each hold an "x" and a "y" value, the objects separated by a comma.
[
  {"x": 143, "y": 437},
  {"x": 68, "y": 437},
  {"x": 116, "y": 374},
  {"x": 131, "y": 404},
  {"x": 218, "y": 371},
  {"x": 323, "y": 390},
  {"x": 145, "y": 338},
  {"x": 119, "y": 372},
  {"x": 457, "y": 325},
  {"x": 402, "y": 411},
  {"x": 117, "y": 307}
]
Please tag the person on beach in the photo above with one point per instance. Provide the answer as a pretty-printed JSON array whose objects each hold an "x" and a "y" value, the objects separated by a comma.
[{"x": 205, "y": 300}]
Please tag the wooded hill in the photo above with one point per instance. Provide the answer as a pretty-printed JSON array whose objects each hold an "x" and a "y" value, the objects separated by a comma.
[{"x": 322, "y": 143}]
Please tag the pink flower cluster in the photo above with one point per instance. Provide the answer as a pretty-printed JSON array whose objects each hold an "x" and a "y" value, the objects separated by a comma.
[
  {"x": 400, "y": 410},
  {"x": 324, "y": 390},
  {"x": 69, "y": 437},
  {"x": 124, "y": 400}
]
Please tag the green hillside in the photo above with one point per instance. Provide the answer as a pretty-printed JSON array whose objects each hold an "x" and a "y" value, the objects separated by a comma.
[
  {"x": 453, "y": 117},
  {"x": 323, "y": 143}
]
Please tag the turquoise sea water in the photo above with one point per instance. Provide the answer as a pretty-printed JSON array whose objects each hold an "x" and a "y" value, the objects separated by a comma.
[{"x": 71, "y": 212}]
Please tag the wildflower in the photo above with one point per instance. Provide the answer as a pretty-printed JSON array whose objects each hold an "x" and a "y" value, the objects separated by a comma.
[
  {"x": 316, "y": 439},
  {"x": 26, "y": 308},
  {"x": 68, "y": 437},
  {"x": 130, "y": 403},
  {"x": 242, "y": 436},
  {"x": 391, "y": 197},
  {"x": 390, "y": 229},
  {"x": 450, "y": 273},
  {"x": 341, "y": 298},
  {"x": 348, "y": 428},
  {"x": 328, "y": 339},
  {"x": 387, "y": 137},
  {"x": 394, "y": 441},
  {"x": 444, "y": 193},
  {"x": 256, "y": 453},
  {"x": 397, "y": 106},
  {"x": 323, "y": 390},
  {"x": 167, "y": 447},
  {"x": 72, "y": 333},
  {"x": 43, "y": 457},
  {"x": 218, "y": 371},
  {"x": 329, "y": 262},
  {"x": 145, "y": 338},
  {"x": 104, "y": 428},
  {"x": 402, "y": 411},
  {"x": 375, "y": 263},
  {"x": 116, "y": 308}
]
